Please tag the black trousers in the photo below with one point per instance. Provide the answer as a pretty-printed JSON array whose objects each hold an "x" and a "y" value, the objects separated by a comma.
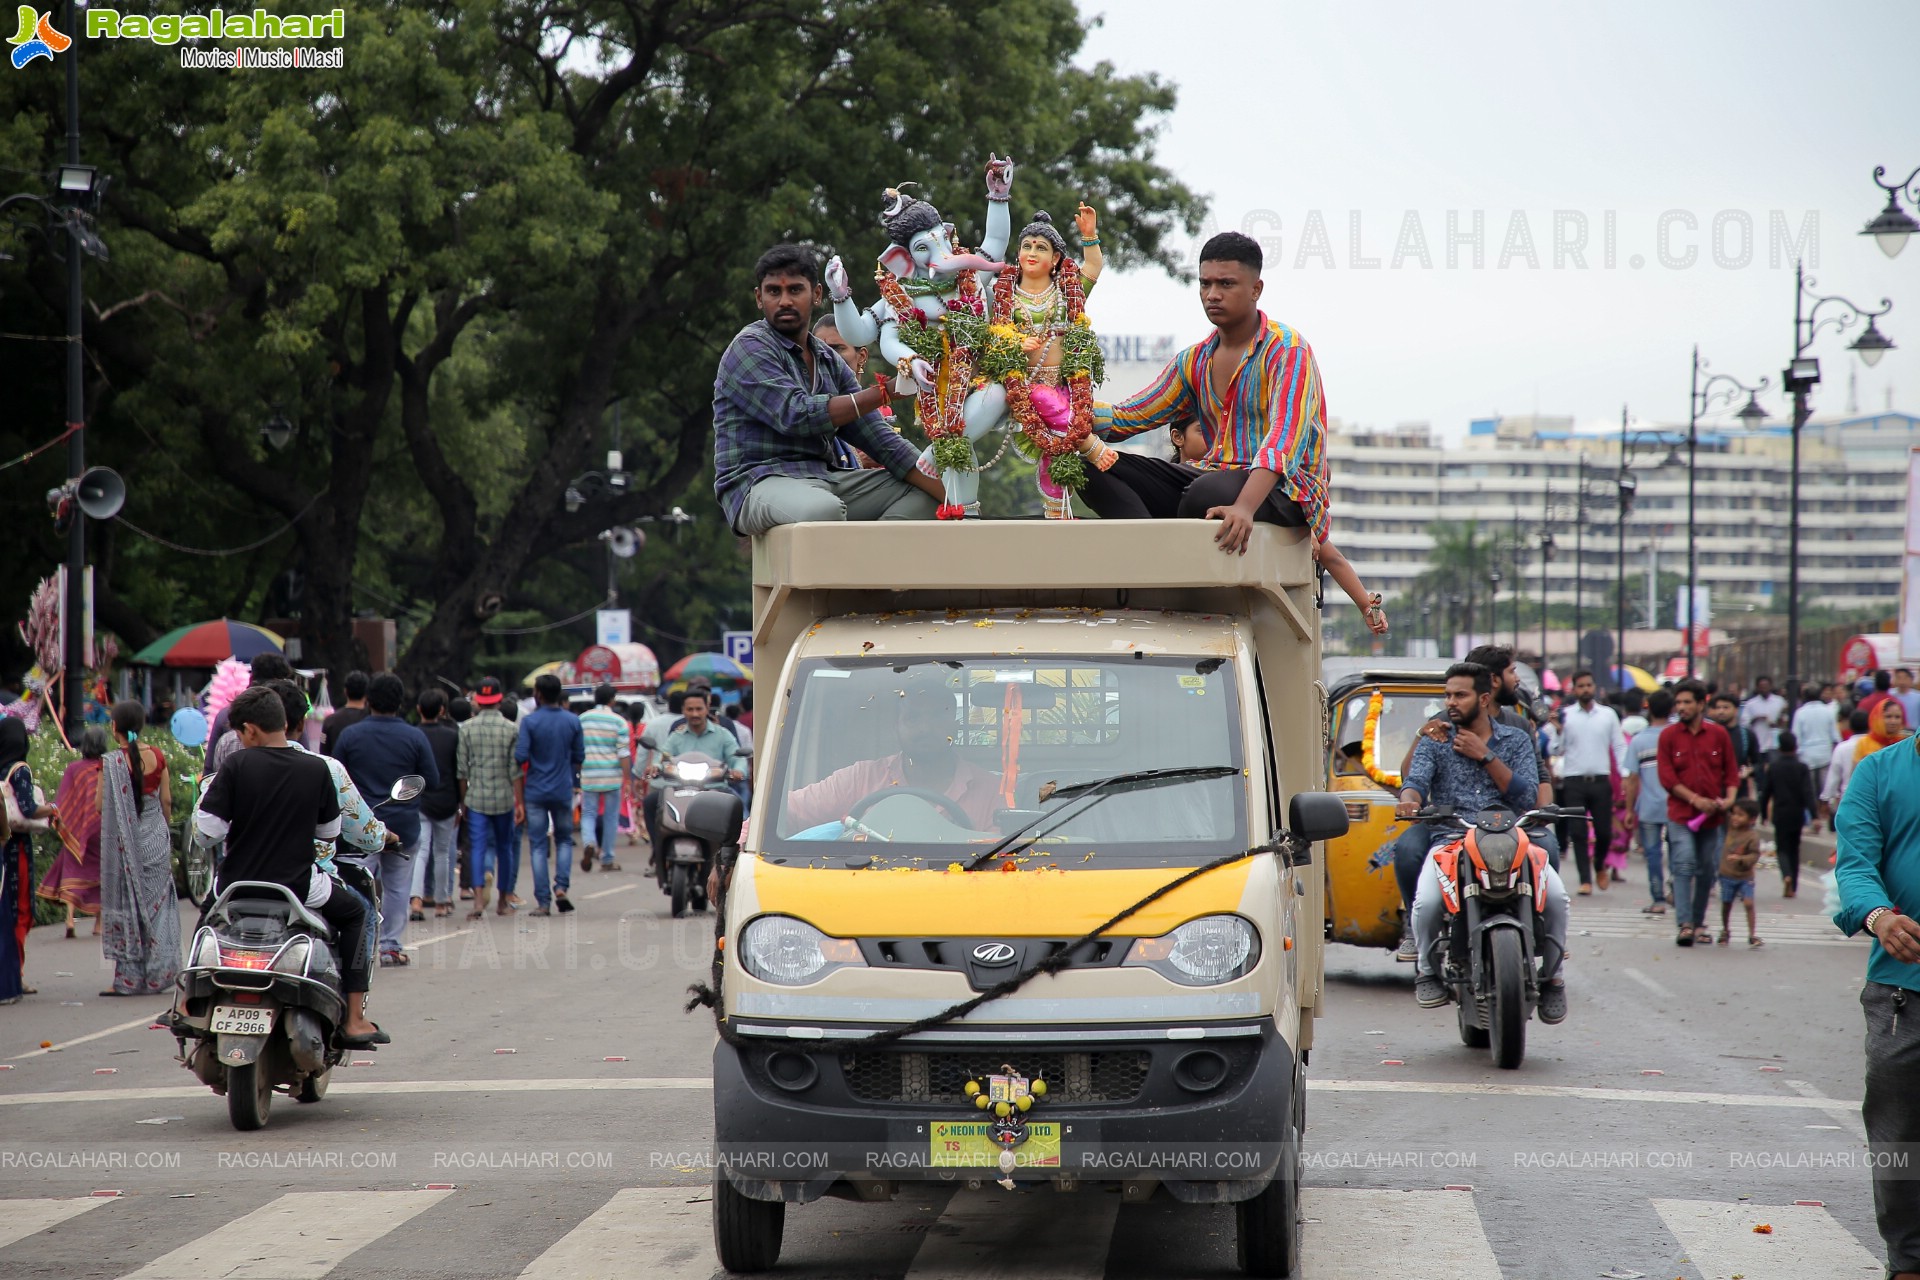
[
  {"x": 1140, "y": 488},
  {"x": 346, "y": 911},
  {"x": 1595, "y": 795},
  {"x": 1786, "y": 847}
]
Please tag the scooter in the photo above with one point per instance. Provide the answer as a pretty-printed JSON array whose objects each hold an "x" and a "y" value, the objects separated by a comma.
[
  {"x": 260, "y": 1000},
  {"x": 1493, "y": 882},
  {"x": 698, "y": 814}
]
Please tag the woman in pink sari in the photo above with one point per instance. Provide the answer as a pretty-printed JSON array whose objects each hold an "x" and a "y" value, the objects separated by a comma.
[{"x": 74, "y": 877}]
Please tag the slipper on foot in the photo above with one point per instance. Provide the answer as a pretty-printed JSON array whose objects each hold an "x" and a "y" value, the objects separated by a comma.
[{"x": 367, "y": 1041}]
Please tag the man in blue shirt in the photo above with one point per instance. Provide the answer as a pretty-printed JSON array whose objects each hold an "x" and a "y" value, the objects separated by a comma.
[
  {"x": 552, "y": 746},
  {"x": 379, "y": 751},
  {"x": 1878, "y": 873},
  {"x": 1480, "y": 764},
  {"x": 1648, "y": 799}
]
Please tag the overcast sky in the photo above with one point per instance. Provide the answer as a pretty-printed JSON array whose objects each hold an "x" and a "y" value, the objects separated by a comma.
[{"x": 1775, "y": 111}]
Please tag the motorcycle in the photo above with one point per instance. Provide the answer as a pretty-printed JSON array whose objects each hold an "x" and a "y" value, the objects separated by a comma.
[
  {"x": 1493, "y": 884},
  {"x": 697, "y": 815},
  {"x": 260, "y": 999}
]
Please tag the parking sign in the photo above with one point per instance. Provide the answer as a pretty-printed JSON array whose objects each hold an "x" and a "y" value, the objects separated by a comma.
[{"x": 738, "y": 645}]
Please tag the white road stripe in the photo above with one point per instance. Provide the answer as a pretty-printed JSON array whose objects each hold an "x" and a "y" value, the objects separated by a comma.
[
  {"x": 342, "y": 1088},
  {"x": 1440, "y": 1228},
  {"x": 22, "y": 1218},
  {"x": 991, "y": 1234},
  {"x": 449, "y": 936},
  {"x": 300, "y": 1236},
  {"x": 1847, "y": 1114},
  {"x": 1805, "y": 1244},
  {"x": 1582, "y": 1092},
  {"x": 146, "y": 1021},
  {"x": 668, "y": 1227},
  {"x": 1648, "y": 983}
]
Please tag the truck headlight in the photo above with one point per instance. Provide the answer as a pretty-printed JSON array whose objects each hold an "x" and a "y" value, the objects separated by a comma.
[
  {"x": 1200, "y": 953},
  {"x": 791, "y": 952}
]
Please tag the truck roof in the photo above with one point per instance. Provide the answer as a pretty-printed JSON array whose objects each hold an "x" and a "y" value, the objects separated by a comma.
[{"x": 805, "y": 572}]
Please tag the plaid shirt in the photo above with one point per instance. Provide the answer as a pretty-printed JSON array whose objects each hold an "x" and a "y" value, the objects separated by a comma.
[
  {"x": 485, "y": 761},
  {"x": 769, "y": 419}
]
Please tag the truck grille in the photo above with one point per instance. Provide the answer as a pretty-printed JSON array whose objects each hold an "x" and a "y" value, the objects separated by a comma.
[{"x": 1116, "y": 1076}]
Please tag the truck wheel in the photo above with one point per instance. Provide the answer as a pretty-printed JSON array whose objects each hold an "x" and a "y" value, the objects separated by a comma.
[
  {"x": 1507, "y": 1018},
  {"x": 1268, "y": 1235},
  {"x": 314, "y": 1087},
  {"x": 1472, "y": 1034},
  {"x": 249, "y": 1095},
  {"x": 682, "y": 886},
  {"x": 746, "y": 1233}
]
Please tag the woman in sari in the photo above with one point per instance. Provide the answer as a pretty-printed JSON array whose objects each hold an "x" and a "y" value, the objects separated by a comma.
[
  {"x": 1886, "y": 726},
  {"x": 142, "y": 935},
  {"x": 16, "y": 863},
  {"x": 74, "y": 877}
]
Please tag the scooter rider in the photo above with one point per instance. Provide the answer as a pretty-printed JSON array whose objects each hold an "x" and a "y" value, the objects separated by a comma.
[
  {"x": 701, "y": 735},
  {"x": 1484, "y": 763},
  {"x": 270, "y": 806}
]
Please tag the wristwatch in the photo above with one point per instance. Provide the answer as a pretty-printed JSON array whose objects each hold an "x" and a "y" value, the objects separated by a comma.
[{"x": 1875, "y": 914}]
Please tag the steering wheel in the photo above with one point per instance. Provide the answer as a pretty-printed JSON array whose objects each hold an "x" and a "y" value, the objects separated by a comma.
[{"x": 946, "y": 804}]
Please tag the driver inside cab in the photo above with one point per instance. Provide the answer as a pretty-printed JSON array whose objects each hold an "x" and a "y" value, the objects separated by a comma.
[{"x": 928, "y": 760}]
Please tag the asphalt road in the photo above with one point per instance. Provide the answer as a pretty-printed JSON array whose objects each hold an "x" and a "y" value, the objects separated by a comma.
[{"x": 544, "y": 1112}]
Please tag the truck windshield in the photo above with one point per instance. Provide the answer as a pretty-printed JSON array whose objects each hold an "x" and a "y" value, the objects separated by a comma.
[{"x": 941, "y": 759}]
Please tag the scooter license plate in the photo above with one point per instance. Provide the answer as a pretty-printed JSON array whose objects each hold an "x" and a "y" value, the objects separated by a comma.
[{"x": 241, "y": 1020}]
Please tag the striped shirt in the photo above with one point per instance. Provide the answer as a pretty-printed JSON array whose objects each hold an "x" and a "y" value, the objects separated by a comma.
[
  {"x": 606, "y": 735},
  {"x": 485, "y": 757},
  {"x": 1273, "y": 416}
]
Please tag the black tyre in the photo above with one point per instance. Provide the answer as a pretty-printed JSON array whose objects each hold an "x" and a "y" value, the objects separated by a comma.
[
  {"x": 196, "y": 872},
  {"x": 249, "y": 1096},
  {"x": 681, "y": 882},
  {"x": 314, "y": 1088},
  {"x": 1472, "y": 1034},
  {"x": 1507, "y": 1014},
  {"x": 1267, "y": 1237},
  {"x": 746, "y": 1233}
]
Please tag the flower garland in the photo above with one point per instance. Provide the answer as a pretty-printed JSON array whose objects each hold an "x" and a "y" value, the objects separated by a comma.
[
  {"x": 951, "y": 344},
  {"x": 1382, "y": 776},
  {"x": 1081, "y": 365}
]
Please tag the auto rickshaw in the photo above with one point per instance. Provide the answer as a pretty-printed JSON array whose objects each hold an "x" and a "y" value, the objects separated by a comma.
[{"x": 1376, "y": 706}]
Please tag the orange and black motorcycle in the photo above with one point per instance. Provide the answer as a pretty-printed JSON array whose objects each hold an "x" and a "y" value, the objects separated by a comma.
[{"x": 1493, "y": 881}]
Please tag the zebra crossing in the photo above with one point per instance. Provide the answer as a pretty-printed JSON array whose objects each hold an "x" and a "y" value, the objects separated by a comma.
[
  {"x": 1777, "y": 928},
  {"x": 663, "y": 1233}
]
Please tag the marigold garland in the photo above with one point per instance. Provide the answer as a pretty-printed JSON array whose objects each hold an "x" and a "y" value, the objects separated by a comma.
[
  {"x": 1081, "y": 364},
  {"x": 1382, "y": 776}
]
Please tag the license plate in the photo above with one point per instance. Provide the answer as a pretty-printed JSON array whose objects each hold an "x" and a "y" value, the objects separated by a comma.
[
  {"x": 241, "y": 1020},
  {"x": 969, "y": 1144}
]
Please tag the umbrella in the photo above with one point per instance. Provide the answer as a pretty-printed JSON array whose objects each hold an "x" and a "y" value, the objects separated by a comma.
[
  {"x": 206, "y": 644},
  {"x": 1641, "y": 680},
  {"x": 560, "y": 669},
  {"x": 715, "y": 668}
]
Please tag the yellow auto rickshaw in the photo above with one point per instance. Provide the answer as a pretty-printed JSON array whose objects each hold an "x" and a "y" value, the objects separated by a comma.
[{"x": 1376, "y": 706}]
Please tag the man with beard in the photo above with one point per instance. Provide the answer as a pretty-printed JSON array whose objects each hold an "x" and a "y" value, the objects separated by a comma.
[
  {"x": 1701, "y": 780},
  {"x": 782, "y": 398},
  {"x": 1409, "y": 852},
  {"x": 1481, "y": 763}
]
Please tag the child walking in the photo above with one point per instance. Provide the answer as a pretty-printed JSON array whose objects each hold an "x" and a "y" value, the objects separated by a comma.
[{"x": 1737, "y": 861}]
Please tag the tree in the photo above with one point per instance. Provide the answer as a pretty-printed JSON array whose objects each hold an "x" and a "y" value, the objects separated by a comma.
[{"x": 444, "y": 263}]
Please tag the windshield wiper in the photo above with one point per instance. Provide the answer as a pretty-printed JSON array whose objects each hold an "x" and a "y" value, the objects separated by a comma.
[{"x": 1093, "y": 793}]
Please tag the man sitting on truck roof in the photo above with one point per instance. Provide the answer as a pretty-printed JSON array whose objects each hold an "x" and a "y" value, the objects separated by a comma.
[
  {"x": 1253, "y": 390},
  {"x": 927, "y": 760},
  {"x": 782, "y": 398}
]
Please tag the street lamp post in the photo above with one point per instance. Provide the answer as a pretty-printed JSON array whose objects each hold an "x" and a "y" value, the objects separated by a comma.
[
  {"x": 1700, "y": 400},
  {"x": 1546, "y": 555},
  {"x": 1802, "y": 374},
  {"x": 1891, "y": 229},
  {"x": 1579, "y": 549}
]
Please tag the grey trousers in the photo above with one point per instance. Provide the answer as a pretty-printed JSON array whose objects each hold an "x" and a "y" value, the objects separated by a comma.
[
  {"x": 1891, "y": 1109},
  {"x": 841, "y": 495}
]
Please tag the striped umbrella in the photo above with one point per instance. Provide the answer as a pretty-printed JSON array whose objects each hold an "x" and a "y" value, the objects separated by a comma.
[
  {"x": 716, "y": 668},
  {"x": 206, "y": 644}
]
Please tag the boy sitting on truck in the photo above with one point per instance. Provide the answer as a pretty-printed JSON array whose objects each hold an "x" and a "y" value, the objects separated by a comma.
[{"x": 1255, "y": 381}]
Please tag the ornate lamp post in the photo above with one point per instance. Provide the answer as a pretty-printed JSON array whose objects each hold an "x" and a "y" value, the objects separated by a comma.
[
  {"x": 1891, "y": 229},
  {"x": 1717, "y": 389}
]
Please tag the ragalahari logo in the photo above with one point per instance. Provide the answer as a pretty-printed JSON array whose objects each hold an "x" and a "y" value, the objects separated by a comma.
[{"x": 37, "y": 38}]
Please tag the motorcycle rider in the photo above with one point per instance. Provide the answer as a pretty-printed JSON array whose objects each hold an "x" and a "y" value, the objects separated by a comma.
[
  {"x": 1481, "y": 764},
  {"x": 698, "y": 735},
  {"x": 269, "y": 806}
]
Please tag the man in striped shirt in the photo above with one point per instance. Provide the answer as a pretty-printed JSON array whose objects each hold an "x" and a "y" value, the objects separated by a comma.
[
  {"x": 1255, "y": 390},
  {"x": 603, "y": 776}
]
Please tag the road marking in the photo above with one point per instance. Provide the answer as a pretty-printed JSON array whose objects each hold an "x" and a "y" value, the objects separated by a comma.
[
  {"x": 606, "y": 893},
  {"x": 1805, "y": 1243},
  {"x": 301, "y": 1236},
  {"x": 1585, "y": 1092},
  {"x": 1648, "y": 983},
  {"x": 368, "y": 1087},
  {"x": 1441, "y": 1228},
  {"x": 146, "y": 1021},
  {"x": 1848, "y": 1114},
  {"x": 664, "y": 1225},
  {"x": 449, "y": 936},
  {"x": 990, "y": 1235},
  {"x": 22, "y": 1218}
]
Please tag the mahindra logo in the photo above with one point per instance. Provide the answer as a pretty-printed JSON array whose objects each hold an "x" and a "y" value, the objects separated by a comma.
[{"x": 994, "y": 953}]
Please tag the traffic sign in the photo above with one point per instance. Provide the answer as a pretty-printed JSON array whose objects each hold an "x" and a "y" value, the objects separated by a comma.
[{"x": 738, "y": 645}]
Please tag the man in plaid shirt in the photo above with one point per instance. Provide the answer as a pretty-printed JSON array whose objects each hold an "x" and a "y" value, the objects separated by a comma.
[
  {"x": 485, "y": 764},
  {"x": 780, "y": 400}
]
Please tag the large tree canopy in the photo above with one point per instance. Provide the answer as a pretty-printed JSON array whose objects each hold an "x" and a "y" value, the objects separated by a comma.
[{"x": 446, "y": 264}]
